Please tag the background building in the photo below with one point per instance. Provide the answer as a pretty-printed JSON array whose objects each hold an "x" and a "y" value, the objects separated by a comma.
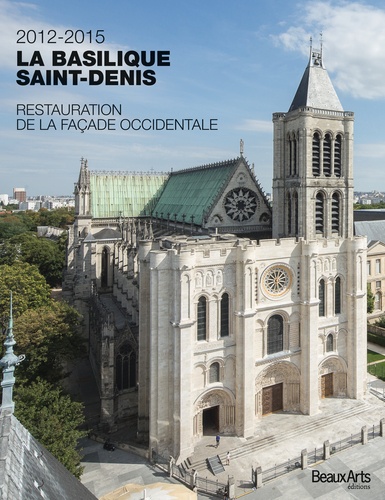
[{"x": 19, "y": 194}]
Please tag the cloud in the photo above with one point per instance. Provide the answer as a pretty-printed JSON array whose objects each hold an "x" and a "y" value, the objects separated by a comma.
[
  {"x": 370, "y": 151},
  {"x": 353, "y": 42},
  {"x": 256, "y": 126}
]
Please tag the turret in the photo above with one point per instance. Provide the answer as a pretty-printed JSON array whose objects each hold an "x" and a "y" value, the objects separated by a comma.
[{"x": 313, "y": 161}]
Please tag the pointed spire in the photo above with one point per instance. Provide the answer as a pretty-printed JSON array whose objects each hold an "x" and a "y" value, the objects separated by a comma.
[
  {"x": 8, "y": 363},
  {"x": 84, "y": 174},
  {"x": 316, "y": 89}
]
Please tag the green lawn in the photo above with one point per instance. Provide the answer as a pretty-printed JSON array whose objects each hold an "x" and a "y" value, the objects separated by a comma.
[
  {"x": 374, "y": 356},
  {"x": 378, "y": 370}
]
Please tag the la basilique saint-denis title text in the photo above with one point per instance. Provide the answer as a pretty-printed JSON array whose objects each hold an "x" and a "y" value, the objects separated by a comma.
[
  {"x": 130, "y": 67},
  {"x": 72, "y": 67}
]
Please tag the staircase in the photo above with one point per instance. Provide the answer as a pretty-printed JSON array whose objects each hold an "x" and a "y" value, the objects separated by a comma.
[{"x": 255, "y": 445}]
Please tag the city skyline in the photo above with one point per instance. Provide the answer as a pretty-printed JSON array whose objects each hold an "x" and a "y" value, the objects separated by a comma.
[{"x": 226, "y": 64}]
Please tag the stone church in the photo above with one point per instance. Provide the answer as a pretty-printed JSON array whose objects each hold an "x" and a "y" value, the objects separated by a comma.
[{"x": 205, "y": 308}]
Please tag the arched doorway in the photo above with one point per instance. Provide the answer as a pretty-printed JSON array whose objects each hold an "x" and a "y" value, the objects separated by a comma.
[
  {"x": 210, "y": 421},
  {"x": 277, "y": 387},
  {"x": 214, "y": 412},
  {"x": 332, "y": 378},
  {"x": 272, "y": 398}
]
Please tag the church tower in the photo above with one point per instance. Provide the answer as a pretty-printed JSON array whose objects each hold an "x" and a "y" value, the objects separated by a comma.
[{"x": 313, "y": 161}]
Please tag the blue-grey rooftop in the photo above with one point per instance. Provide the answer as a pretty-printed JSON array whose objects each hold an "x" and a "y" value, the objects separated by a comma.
[
  {"x": 28, "y": 471},
  {"x": 374, "y": 230},
  {"x": 316, "y": 89}
]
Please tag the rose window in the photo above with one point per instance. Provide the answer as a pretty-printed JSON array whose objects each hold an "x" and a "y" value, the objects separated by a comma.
[
  {"x": 276, "y": 281},
  {"x": 241, "y": 204}
]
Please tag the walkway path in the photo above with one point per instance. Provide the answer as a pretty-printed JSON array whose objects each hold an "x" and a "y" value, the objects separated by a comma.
[
  {"x": 282, "y": 436},
  {"x": 279, "y": 437}
]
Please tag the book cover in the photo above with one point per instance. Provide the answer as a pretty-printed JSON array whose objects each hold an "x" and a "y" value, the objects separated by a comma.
[{"x": 158, "y": 87}]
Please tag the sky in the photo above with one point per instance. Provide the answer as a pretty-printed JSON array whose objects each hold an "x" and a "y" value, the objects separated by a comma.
[{"x": 234, "y": 63}]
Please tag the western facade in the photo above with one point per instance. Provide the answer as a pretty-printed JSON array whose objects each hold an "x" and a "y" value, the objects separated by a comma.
[{"x": 205, "y": 308}]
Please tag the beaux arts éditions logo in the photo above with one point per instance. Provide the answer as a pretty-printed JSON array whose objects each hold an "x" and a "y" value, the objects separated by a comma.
[{"x": 356, "y": 480}]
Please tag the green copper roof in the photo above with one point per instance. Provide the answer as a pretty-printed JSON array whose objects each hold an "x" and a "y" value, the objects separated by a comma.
[
  {"x": 126, "y": 194},
  {"x": 192, "y": 191}
]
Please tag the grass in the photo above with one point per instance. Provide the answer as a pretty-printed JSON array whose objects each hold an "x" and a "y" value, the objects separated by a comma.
[
  {"x": 378, "y": 370},
  {"x": 374, "y": 356}
]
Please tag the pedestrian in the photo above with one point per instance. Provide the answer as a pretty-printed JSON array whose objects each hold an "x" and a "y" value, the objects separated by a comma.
[
  {"x": 228, "y": 458},
  {"x": 218, "y": 439}
]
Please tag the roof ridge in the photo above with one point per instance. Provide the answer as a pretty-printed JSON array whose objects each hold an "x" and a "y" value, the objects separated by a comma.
[
  {"x": 207, "y": 166},
  {"x": 221, "y": 189},
  {"x": 126, "y": 172}
]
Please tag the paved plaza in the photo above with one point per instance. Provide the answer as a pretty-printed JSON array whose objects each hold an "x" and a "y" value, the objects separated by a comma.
[{"x": 359, "y": 472}]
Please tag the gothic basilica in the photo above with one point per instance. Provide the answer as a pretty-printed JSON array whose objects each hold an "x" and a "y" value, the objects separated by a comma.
[{"x": 206, "y": 308}]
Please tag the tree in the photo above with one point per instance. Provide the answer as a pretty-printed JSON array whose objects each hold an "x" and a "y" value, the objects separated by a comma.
[
  {"x": 53, "y": 419},
  {"x": 47, "y": 255},
  {"x": 370, "y": 300},
  {"x": 10, "y": 225},
  {"x": 60, "y": 217},
  {"x": 29, "y": 289},
  {"x": 20, "y": 222},
  {"x": 49, "y": 336}
]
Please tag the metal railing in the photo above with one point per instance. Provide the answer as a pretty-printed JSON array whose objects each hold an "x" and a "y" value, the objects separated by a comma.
[
  {"x": 281, "y": 469},
  {"x": 320, "y": 454},
  {"x": 210, "y": 485}
]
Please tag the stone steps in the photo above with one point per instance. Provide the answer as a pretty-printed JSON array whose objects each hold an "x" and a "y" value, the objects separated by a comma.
[{"x": 258, "y": 444}]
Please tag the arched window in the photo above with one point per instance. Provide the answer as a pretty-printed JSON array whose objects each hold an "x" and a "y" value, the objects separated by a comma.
[
  {"x": 292, "y": 213},
  {"x": 202, "y": 318},
  {"x": 336, "y": 213},
  {"x": 319, "y": 214},
  {"x": 337, "y": 296},
  {"x": 104, "y": 275},
  {"x": 327, "y": 156},
  {"x": 295, "y": 208},
  {"x": 214, "y": 373},
  {"x": 316, "y": 154},
  {"x": 290, "y": 151},
  {"x": 125, "y": 368},
  {"x": 275, "y": 334},
  {"x": 289, "y": 213},
  {"x": 225, "y": 315},
  {"x": 321, "y": 296},
  {"x": 293, "y": 155},
  {"x": 337, "y": 156},
  {"x": 329, "y": 343}
]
